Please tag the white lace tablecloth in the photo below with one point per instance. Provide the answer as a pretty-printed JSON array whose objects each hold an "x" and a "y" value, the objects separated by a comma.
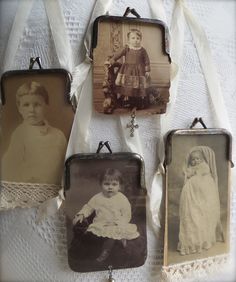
[{"x": 31, "y": 252}]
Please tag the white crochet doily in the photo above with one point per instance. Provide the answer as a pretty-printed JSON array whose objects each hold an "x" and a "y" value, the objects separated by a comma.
[
  {"x": 31, "y": 252},
  {"x": 24, "y": 195}
]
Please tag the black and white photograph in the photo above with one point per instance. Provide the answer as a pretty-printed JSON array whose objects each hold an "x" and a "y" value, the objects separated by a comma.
[
  {"x": 106, "y": 216},
  {"x": 131, "y": 66},
  {"x": 197, "y": 204},
  {"x": 36, "y": 124}
]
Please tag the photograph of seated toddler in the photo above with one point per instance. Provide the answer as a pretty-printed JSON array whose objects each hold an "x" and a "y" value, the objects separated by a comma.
[
  {"x": 36, "y": 150},
  {"x": 199, "y": 211},
  {"x": 110, "y": 234}
]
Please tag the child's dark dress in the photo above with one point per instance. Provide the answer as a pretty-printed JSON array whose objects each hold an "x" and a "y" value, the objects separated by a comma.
[{"x": 131, "y": 77}]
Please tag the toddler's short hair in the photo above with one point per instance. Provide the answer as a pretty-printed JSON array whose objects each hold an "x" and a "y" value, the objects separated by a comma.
[
  {"x": 135, "y": 30},
  {"x": 31, "y": 88},
  {"x": 111, "y": 173}
]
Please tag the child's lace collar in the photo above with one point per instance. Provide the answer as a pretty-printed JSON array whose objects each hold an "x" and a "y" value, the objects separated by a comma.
[{"x": 135, "y": 48}]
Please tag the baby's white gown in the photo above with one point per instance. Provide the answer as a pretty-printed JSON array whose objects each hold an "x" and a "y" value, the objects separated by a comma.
[
  {"x": 112, "y": 217},
  {"x": 199, "y": 212}
]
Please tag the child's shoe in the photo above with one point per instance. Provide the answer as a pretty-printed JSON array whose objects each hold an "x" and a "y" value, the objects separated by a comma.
[
  {"x": 124, "y": 242},
  {"x": 103, "y": 256}
]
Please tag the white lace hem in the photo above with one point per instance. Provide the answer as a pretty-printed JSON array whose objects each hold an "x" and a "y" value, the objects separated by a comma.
[
  {"x": 25, "y": 195},
  {"x": 193, "y": 270},
  {"x": 128, "y": 236}
]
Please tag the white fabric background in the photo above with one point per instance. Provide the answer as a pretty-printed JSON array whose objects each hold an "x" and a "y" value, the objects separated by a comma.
[{"x": 30, "y": 252}]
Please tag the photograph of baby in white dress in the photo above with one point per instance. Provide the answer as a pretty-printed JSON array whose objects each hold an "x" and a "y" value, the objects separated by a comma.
[
  {"x": 200, "y": 224},
  {"x": 197, "y": 199},
  {"x": 106, "y": 229},
  {"x": 34, "y": 149}
]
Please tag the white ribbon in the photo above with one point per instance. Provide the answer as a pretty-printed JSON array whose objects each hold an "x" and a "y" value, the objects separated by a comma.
[
  {"x": 50, "y": 207},
  {"x": 22, "y": 14},
  {"x": 58, "y": 29},
  {"x": 101, "y": 7},
  {"x": 59, "y": 35},
  {"x": 176, "y": 49},
  {"x": 79, "y": 137},
  {"x": 81, "y": 88},
  {"x": 81, "y": 71},
  {"x": 208, "y": 67},
  {"x": 157, "y": 10}
]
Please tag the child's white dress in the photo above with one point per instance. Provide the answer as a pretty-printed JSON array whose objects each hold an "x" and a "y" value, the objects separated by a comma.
[
  {"x": 112, "y": 217},
  {"x": 35, "y": 155},
  {"x": 199, "y": 210}
]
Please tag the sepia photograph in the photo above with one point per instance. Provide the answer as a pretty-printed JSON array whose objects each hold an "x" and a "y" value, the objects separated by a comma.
[
  {"x": 106, "y": 214},
  {"x": 131, "y": 66},
  {"x": 197, "y": 197},
  {"x": 36, "y": 122}
]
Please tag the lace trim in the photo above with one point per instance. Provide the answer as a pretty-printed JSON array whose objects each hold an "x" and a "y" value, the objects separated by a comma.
[
  {"x": 25, "y": 195},
  {"x": 192, "y": 270}
]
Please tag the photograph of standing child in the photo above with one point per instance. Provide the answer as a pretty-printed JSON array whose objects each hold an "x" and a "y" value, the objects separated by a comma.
[
  {"x": 199, "y": 209},
  {"x": 131, "y": 66},
  {"x": 36, "y": 150},
  {"x": 133, "y": 77},
  {"x": 112, "y": 214}
]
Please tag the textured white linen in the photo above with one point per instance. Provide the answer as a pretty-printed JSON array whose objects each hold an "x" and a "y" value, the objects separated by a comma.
[{"x": 38, "y": 253}]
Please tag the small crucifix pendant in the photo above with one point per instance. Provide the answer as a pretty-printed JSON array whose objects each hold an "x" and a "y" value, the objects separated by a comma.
[{"x": 132, "y": 124}]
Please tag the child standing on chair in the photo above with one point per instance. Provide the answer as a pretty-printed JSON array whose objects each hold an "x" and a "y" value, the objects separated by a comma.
[
  {"x": 134, "y": 75},
  {"x": 112, "y": 214}
]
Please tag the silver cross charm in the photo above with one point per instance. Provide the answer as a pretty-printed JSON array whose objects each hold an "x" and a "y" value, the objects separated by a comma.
[{"x": 132, "y": 124}]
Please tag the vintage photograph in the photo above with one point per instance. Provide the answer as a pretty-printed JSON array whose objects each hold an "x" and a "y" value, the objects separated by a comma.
[
  {"x": 197, "y": 203},
  {"x": 36, "y": 122},
  {"x": 106, "y": 214},
  {"x": 131, "y": 66}
]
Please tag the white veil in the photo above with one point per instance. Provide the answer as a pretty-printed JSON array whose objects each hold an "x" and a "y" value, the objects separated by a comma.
[{"x": 209, "y": 157}]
